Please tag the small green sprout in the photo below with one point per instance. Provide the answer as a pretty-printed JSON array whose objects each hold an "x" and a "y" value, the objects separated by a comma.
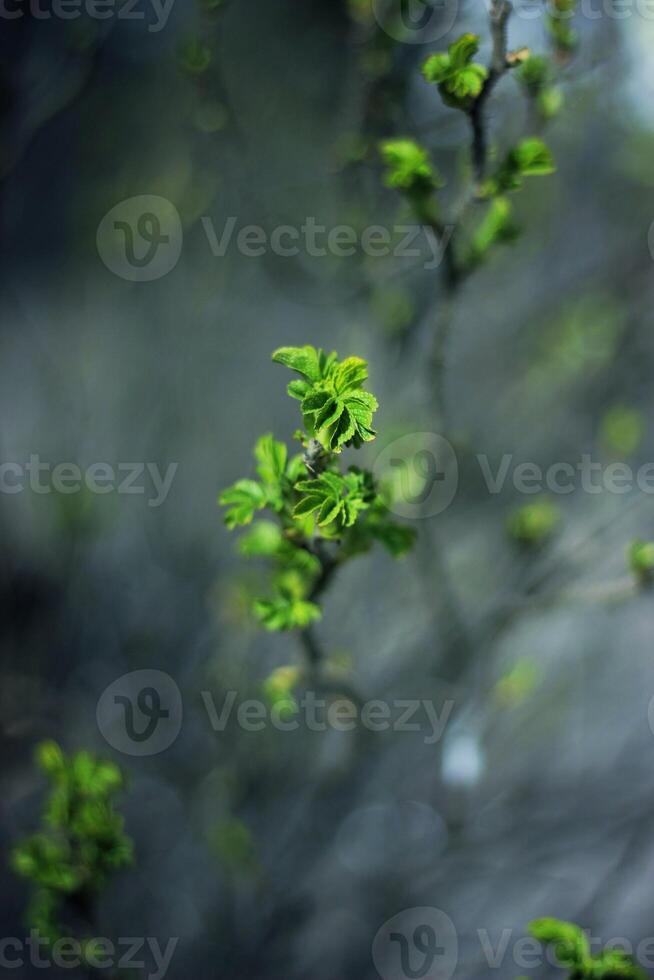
[
  {"x": 496, "y": 227},
  {"x": 531, "y": 157},
  {"x": 409, "y": 166},
  {"x": 459, "y": 79},
  {"x": 533, "y": 524}
]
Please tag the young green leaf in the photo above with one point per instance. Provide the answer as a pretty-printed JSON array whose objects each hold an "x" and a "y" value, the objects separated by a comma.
[
  {"x": 460, "y": 80},
  {"x": 284, "y": 613},
  {"x": 242, "y": 499},
  {"x": 334, "y": 499},
  {"x": 313, "y": 363},
  {"x": 496, "y": 227},
  {"x": 409, "y": 167},
  {"x": 271, "y": 457},
  {"x": 569, "y": 942}
]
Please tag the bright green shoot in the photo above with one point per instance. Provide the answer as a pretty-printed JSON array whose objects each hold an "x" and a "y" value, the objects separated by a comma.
[{"x": 318, "y": 513}]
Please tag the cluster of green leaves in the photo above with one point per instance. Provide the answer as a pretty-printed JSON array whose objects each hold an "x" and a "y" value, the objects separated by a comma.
[
  {"x": 531, "y": 157},
  {"x": 82, "y": 840},
  {"x": 572, "y": 951},
  {"x": 315, "y": 504},
  {"x": 533, "y": 524},
  {"x": 460, "y": 80}
]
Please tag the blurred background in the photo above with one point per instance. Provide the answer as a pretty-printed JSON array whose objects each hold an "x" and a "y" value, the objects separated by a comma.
[{"x": 281, "y": 854}]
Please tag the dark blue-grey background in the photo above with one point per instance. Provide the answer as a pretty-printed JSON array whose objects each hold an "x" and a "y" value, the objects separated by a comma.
[{"x": 555, "y": 815}]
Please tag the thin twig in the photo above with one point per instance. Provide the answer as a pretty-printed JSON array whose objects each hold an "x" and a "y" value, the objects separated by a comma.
[{"x": 500, "y": 12}]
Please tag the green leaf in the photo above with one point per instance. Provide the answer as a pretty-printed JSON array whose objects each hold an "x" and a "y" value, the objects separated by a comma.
[
  {"x": 50, "y": 758},
  {"x": 409, "y": 167},
  {"x": 335, "y": 499},
  {"x": 532, "y": 157},
  {"x": 263, "y": 539},
  {"x": 242, "y": 499},
  {"x": 496, "y": 227},
  {"x": 534, "y": 73},
  {"x": 462, "y": 50},
  {"x": 398, "y": 539},
  {"x": 283, "y": 613},
  {"x": 271, "y": 456},
  {"x": 568, "y": 941},
  {"x": 335, "y": 419},
  {"x": 349, "y": 374},
  {"x": 313, "y": 364},
  {"x": 614, "y": 963},
  {"x": 299, "y": 389}
]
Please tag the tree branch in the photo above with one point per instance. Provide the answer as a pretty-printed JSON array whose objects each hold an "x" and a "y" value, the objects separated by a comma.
[{"x": 500, "y": 12}]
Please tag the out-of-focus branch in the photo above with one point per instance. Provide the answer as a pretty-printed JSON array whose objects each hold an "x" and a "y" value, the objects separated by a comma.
[{"x": 500, "y": 12}]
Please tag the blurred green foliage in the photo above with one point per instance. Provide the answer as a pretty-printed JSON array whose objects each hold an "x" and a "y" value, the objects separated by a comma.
[
  {"x": 533, "y": 524},
  {"x": 622, "y": 429},
  {"x": 233, "y": 845},
  {"x": 640, "y": 559},
  {"x": 572, "y": 951},
  {"x": 82, "y": 840}
]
